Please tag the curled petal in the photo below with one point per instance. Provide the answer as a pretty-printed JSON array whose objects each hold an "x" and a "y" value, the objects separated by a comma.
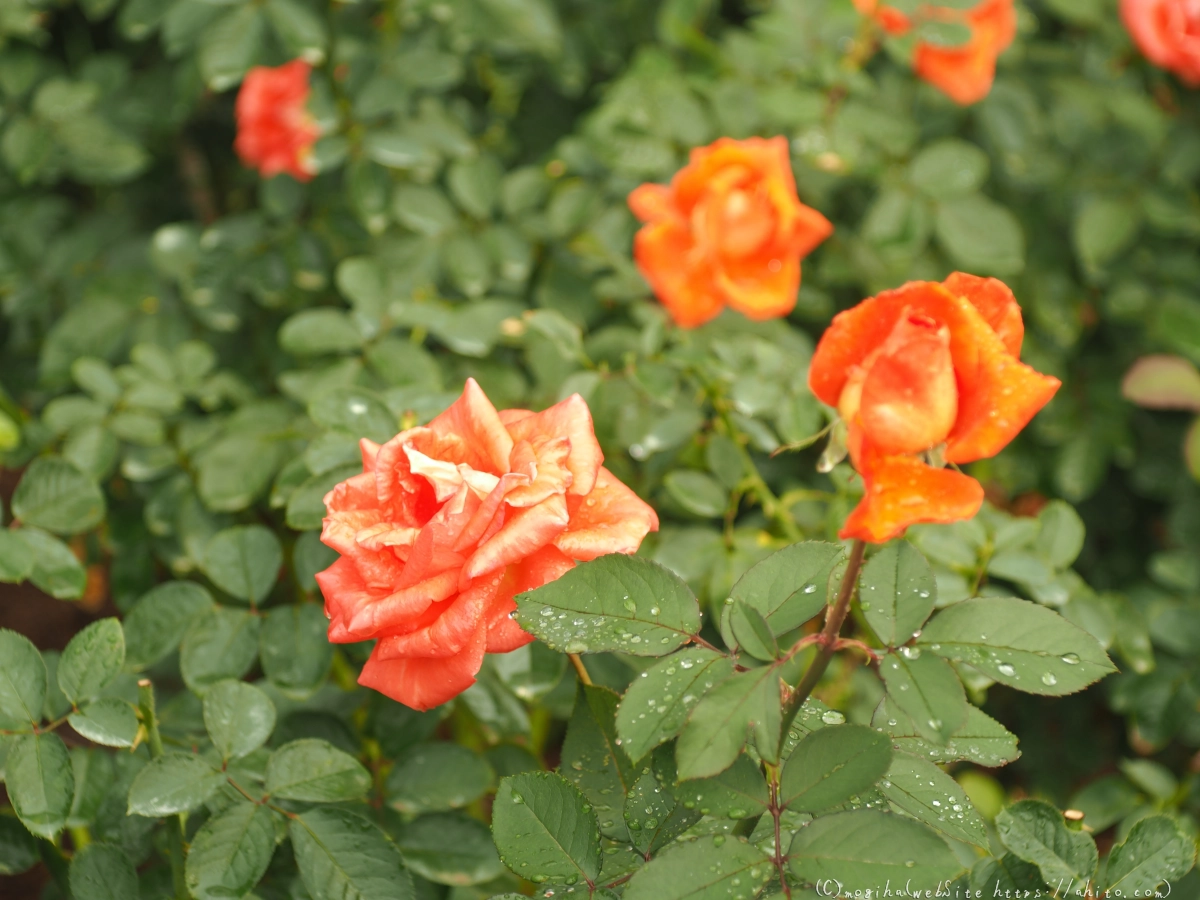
[
  {"x": 399, "y": 607},
  {"x": 524, "y": 531},
  {"x": 454, "y": 628},
  {"x": 995, "y": 302},
  {"x": 761, "y": 289},
  {"x": 423, "y": 683},
  {"x": 611, "y": 519},
  {"x": 473, "y": 420},
  {"x": 652, "y": 202},
  {"x": 680, "y": 277},
  {"x": 570, "y": 420}
]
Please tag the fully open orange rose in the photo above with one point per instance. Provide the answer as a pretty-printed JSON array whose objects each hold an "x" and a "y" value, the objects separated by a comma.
[
  {"x": 449, "y": 521},
  {"x": 927, "y": 373},
  {"x": 963, "y": 73},
  {"x": 1168, "y": 32},
  {"x": 728, "y": 230},
  {"x": 275, "y": 132}
]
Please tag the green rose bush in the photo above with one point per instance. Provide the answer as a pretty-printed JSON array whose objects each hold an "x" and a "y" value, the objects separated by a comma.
[{"x": 467, "y": 417}]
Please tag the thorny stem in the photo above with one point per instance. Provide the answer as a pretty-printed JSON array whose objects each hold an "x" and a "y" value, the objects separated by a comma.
[
  {"x": 580, "y": 669},
  {"x": 828, "y": 638},
  {"x": 149, "y": 719},
  {"x": 776, "y": 811}
]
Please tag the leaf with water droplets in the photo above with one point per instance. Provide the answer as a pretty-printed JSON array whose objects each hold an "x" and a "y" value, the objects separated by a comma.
[
  {"x": 173, "y": 783},
  {"x": 926, "y": 793},
  {"x": 657, "y": 704},
  {"x": 1155, "y": 851},
  {"x": 653, "y": 815},
  {"x": 752, "y": 632},
  {"x": 545, "y": 829},
  {"x": 1018, "y": 643},
  {"x": 231, "y": 852},
  {"x": 594, "y": 760},
  {"x": 897, "y": 592},
  {"x": 1008, "y": 876},
  {"x": 740, "y": 792},
  {"x": 341, "y": 854},
  {"x": 1035, "y": 832},
  {"x": 980, "y": 739},
  {"x": 928, "y": 691},
  {"x": 612, "y": 603},
  {"x": 866, "y": 848},
  {"x": 709, "y": 868},
  {"x": 746, "y": 704},
  {"x": 437, "y": 776},
  {"x": 832, "y": 765},
  {"x": 787, "y": 588}
]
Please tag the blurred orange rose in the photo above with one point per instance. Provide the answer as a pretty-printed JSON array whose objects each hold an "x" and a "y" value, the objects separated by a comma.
[
  {"x": 275, "y": 133},
  {"x": 728, "y": 230},
  {"x": 964, "y": 73},
  {"x": 924, "y": 375},
  {"x": 1168, "y": 33},
  {"x": 449, "y": 521}
]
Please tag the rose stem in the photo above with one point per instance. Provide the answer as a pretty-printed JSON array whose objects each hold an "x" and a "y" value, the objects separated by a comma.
[
  {"x": 580, "y": 669},
  {"x": 835, "y": 615},
  {"x": 154, "y": 739}
]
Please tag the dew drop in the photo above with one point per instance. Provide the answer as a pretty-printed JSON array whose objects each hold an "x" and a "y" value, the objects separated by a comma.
[
  {"x": 654, "y": 610},
  {"x": 1006, "y": 669},
  {"x": 1048, "y": 679},
  {"x": 546, "y": 611},
  {"x": 810, "y": 589},
  {"x": 832, "y": 717},
  {"x": 911, "y": 652},
  {"x": 1071, "y": 659}
]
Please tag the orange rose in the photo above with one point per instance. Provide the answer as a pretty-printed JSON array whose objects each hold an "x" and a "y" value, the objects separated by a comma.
[
  {"x": 449, "y": 521},
  {"x": 729, "y": 230},
  {"x": 1168, "y": 32},
  {"x": 927, "y": 373},
  {"x": 963, "y": 73},
  {"x": 275, "y": 132}
]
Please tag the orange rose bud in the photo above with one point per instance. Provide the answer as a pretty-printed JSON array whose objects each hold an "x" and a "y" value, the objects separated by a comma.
[
  {"x": 925, "y": 374},
  {"x": 451, "y": 520},
  {"x": 275, "y": 133},
  {"x": 728, "y": 231},
  {"x": 963, "y": 73},
  {"x": 1166, "y": 32}
]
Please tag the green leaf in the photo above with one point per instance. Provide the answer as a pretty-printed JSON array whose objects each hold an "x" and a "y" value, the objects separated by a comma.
[
  {"x": 449, "y": 848},
  {"x": 865, "y": 848},
  {"x": 739, "y": 792},
  {"x": 652, "y": 814},
  {"x": 708, "y": 868},
  {"x": 244, "y": 561},
  {"x": 1103, "y": 228},
  {"x": 897, "y": 592},
  {"x": 697, "y": 493},
  {"x": 56, "y": 496},
  {"x": 981, "y": 739},
  {"x": 475, "y": 184},
  {"x": 1163, "y": 382},
  {"x": 158, "y": 620},
  {"x": 22, "y": 678},
  {"x": 1035, "y": 832},
  {"x": 594, "y": 760},
  {"x": 927, "y": 690},
  {"x": 657, "y": 704},
  {"x": 1018, "y": 643},
  {"x": 230, "y": 46},
  {"x": 980, "y": 236},
  {"x": 313, "y": 332},
  {"x": 831, "y": 765},
  {"x": 356, "y": 411},
  {"x": 108, "y": 721},
  {"x": 1062, "y": 534},
  {"x": 423, "y": 209},
  {"x": 545, "y": 829},
  {"x": 239, "y": 718},
  {"x": 231, "y": 852},
  {"x": 746, "y": 704},
  {"x": 173, "y": 783},
  {"x": 789, "y": 587},
  {"x": 94, "y": 773},
  {"x": 102, "y": 872},
  {"x": 40, "y": 782},
  {"x": 949, "y": 168},
  {"x": 18, "y": 848},
  {"x": 221, "y": 643},
  {"x": 293, "y": 648},
  {"x": 615, "y": 602},
  {"x": 437, "y": 776},
  {"x": 1155, "y": 851},
  {"x": 752, "y": 632},
  {"x": 92, "y": 659},
  {"x": 926, "y": 793},
  {"x": 55, "y": 568},
  {"x": 235, "y": 471},
  {"x": 316, "y": 771},
  {"x": 16, "y": 557},
  {"x": 529, "y": 24},
  {"x": 299, "y": 29},
  {"x": 342, "y": 856}
]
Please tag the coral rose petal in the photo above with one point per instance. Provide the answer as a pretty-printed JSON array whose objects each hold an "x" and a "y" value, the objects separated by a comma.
[
  {"x": 425, "y": 683},
  {"x": 903, "y": 491},
  {"x": 761, "y": 289},
  {"x": 570, "y": 419},
  {"x": 400, "y": 606},
  {"x": 525, "y": 531},
  {"x": 665, "y": 254},
  {"x": 995, "y": 302},
  {"x": 965, "y": 73},
  {"x": 544, "y": 566},
  {"x": 473, "y": 420},
  {"x": 652, "y": 202},
  {"x": 611, "y": 519},
  {"x": 456, "y": 625}
]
